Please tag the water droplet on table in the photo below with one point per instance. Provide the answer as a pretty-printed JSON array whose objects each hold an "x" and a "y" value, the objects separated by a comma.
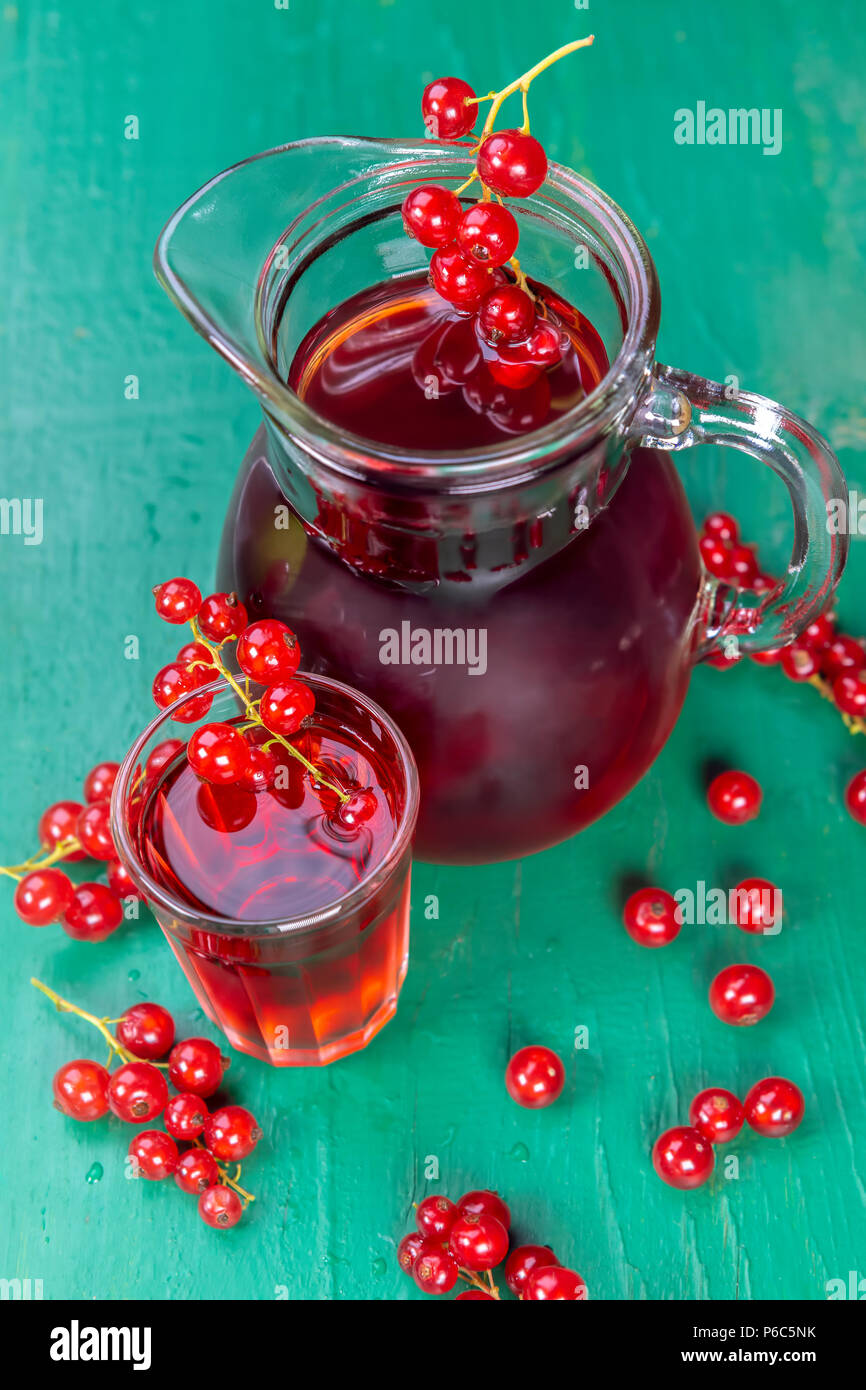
[
  {"x": 95, "y": 1172},
  {"x": 133, "y": 976},
  {"x": 378, "y": 1267},
  {"x": 520, "y": 1153}
]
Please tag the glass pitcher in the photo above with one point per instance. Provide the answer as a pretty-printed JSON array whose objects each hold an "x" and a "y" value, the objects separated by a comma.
[{"x": 528, "y": 612}]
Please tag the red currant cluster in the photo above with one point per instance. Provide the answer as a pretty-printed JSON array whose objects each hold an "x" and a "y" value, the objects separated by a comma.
[
  {"x": 70, "y": 832},
  {"x": 267, "y": 653},
  {"x": 137, "y": 1092},
  {"x": 833, "y": 662},
  {"x": 472, "y": 246},
  {"x": 683, "y": 1156},
  {"x": 467, "y": 1240}
]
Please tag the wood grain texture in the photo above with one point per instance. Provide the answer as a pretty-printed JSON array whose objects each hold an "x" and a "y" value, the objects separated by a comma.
[{"x": 761, "y": 263}]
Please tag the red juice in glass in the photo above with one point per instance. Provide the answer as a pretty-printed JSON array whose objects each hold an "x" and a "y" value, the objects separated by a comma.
[{"x": 291, "y": 927}]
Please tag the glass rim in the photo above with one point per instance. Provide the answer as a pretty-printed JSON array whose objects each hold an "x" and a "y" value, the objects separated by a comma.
[
  {"x": 445, "y": 470},
  {"x": 270, "y": 926}
]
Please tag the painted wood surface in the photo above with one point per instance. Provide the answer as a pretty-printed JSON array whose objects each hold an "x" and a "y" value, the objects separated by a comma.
[{"x": 761, "y": 263}]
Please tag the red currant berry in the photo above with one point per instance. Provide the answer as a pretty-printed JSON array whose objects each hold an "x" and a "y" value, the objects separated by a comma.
[
  {"x": 196, "y": 1065},
  {"x": 652, "y": 917},
  {"x": 431, "y": 215},
  {"x": 521, "y": 1263},
  {"x": 81, "y": 1090},
  {"x": 262, "y": 769},
  {"x": 435, "y": 1270},
  {"x": 478, "y": 1241},
  {"x": 820, "y": 633},
  {"x": 757, "y": 905},
  {"x": 762, "y": 584},
  {"x": 716, "y": 556},
  {"x": 137, "y": 1092},
  {"x": 120, "y": 881},
  {"x": 744, "y": 566},
  {"x": 843, "y": 654},
  {"x": 220, "y": 1207},
  {"x": 175, "y": 682},
  {"x": 849, "y": 692},
  {"x": 534, "y": 1077},
  {"x": 444, "y": 108},
  {"x": 742, "y": 995},
  {"x": 408, "y": 1250},
  {"x": 58, "y": 824},
  {"x": 799, "y": 662},
  {"x": 474, "y": 1296},
  {"x": 512, "y": 163},
  {"x": 154, "y": 1154},
  {"x": 463, "y": 283},
  {"x": 99, "y": 781},
  {"x": 231, "y": 1133},
  {"x": 734, "y": 797},
  {"x": 517, "y": 376},
  {"x": 485, "y": 1203},
  {"x": 717, "y": 1115},
  {"x": 222, "y": 616},
  {"x": 196, "y": 1171},
  {"x": 488, "y": 233},
  {"x": 218, "y": 753},
  {"x": 360, "y": 808},
  {"x": 435, "y": 1216},
  {"x": 555, "y": 1283},
  {"x": 682, "y": 1157},
  {"x": 43, "y": 896},
  {"x": 146, "y": 1030},
  {"x": 161, "y": 756},
  {"x": 544, "y": 345},
  {"x": 93, "y": 914},
  {"x": 507, "y": 315},
  {"x": 268, "y": 651},
  {"x": 774, "y": 1107},
  {"x": 93, "y": 830},
  {"x": 195, "y": 659},
  {"x": 177, "y": 600},
  {"x": 722, "y": 527},
  {"x": 855, "y": 797},
  {"x": 185, "y": 1116},
  {"x": 286, "y": 705},
  {"x": 770, "y": 657}
]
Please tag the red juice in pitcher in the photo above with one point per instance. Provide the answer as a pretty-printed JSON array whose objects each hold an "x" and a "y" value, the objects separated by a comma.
[{"x": 581, "y": 634}]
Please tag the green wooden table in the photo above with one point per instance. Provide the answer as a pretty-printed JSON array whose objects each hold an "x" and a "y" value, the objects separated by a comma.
[{"x": 761, "y": 263}]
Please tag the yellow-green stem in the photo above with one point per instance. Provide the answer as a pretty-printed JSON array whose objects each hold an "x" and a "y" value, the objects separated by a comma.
[
  {"x": 522, "y": 84},
  {"x": 64, "y": 1006}
]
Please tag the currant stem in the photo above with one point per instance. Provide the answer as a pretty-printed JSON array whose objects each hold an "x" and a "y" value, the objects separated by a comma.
[
  {"x": 229, "y": 1181},
  {"x": 478, "y": 1283},
  {"x": 43, "y": 859},
  {"x": 255, "y": 718},
  {"x": 522, "y": 84},
  {"x": 64, "y": 1006},
  {"x": 468, "y": 184}
]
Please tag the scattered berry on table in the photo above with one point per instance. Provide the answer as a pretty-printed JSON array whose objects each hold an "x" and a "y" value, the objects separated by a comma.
[
  {"x": 742, "y": 995},
  {"x": 652, "y": 917},
  {"x": 683, "y": 1158},
  {"x": 535, "y": 1077}
]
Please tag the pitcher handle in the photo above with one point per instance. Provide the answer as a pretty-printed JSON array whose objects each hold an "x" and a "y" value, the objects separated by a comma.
[{"x": 679, "y": 410}]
